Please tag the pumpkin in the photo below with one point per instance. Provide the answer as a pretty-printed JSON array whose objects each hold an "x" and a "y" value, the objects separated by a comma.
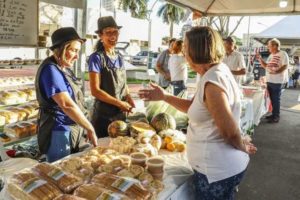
[
  {"x": 117, "y": 128},
  {"x": 163, "y": 121}
]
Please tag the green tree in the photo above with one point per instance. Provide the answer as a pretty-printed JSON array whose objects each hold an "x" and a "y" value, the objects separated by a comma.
[
  {"x": 137, "y": 8},
  {"x": 171, "y": 14}
]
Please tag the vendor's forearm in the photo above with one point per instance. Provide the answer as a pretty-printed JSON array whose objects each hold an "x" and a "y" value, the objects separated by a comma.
[
  {"x": 77, "y": 116},
  {"x": 181, "y": 104},
  {"x": 105, "y": 97}
]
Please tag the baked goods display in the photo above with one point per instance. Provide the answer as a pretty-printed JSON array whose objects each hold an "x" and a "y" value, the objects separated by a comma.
[{"x": 28, "y": 186}]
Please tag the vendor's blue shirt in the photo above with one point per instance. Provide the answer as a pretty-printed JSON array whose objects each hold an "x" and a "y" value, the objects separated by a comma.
[
  {"x": 95, "y": 64},
  {"x": 53, "y": 81}
]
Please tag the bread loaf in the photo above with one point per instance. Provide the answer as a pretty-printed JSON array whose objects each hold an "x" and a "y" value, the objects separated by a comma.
[
  {"x": 27, "y": 186},
  {"x": 130, "y": 187},
  {"x": 66, "y": 182},
  {"x": 16, "y": 131},
  {"x": 97, "y": 192}
]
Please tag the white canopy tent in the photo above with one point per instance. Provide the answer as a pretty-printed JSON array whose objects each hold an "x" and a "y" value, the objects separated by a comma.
[
  {"x": 286, "y": 30},
  {"x": 240, "y": 7}
]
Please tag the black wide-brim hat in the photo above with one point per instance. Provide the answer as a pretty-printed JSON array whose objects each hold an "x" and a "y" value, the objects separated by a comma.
[
  {"x": 63, "y": 35},
  {"x": 105, "y": 22}
]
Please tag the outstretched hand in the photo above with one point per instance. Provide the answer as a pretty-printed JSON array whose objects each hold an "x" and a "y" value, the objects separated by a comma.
[{"x": 155, "y": 93}]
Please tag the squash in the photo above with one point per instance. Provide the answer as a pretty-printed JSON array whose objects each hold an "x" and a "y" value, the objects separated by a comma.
[
  {"x": 117, "y": 128},
  {"x": 141, "y": 130},
  {"x": 163, "y": 121}
]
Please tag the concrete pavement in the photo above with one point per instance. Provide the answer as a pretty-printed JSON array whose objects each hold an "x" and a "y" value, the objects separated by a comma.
[{"x": 274, "y": 172}]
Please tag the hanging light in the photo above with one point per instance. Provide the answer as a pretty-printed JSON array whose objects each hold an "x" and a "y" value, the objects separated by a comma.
[{"x": 283, "y": 3}]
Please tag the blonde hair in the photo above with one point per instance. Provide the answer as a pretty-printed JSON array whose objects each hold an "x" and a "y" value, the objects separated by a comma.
[
  {"x": 204, "y": 45},
  {"x": 276, "y": 42},
  {"x": 60, "y": 52}
]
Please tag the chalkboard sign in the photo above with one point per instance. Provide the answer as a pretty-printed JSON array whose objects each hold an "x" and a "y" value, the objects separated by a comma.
[{"x": 18, "y": 22}]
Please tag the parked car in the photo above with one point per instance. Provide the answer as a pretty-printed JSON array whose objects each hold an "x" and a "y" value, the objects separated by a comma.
[
  {"x": 121, "y": 48},
  {"x": 142, "y": 58}
]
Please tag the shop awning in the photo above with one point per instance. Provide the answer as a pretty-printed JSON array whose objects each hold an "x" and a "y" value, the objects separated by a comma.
[
  {"x": 240, "y": 7},
  {"x": 286, "y": 30}
]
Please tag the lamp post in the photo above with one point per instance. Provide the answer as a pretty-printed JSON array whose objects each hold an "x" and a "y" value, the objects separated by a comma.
[{"x": 149, "y": 12}]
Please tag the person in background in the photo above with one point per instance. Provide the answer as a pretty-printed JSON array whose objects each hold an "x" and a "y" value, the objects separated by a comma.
[
  {"x": 107, "y": 77},
  {"x": 275, "y": 77},
  {"x": 178, "y": 68},
  {"x": 162, "y": 66},
  {"x": 295, "y": 75},
  {"x": 215, "y": 148},
  {"x": 62, "y": 115},
  {"x": 234, "y": 59}
]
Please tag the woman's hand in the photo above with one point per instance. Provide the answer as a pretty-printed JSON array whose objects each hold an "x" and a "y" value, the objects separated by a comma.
[
  {"x": 155, "y": 93},
  {"x": 130, "y": 101},
  {"x": 249, "y": 147},
  {"x": 91, "y": 136},
  {"x": 125, "y": 106}
]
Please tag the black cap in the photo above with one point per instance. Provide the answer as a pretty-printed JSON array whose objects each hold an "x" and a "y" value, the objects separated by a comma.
[
  {"x": 230, "y": 39},
  {"x": 63, "y": 35},
  {"x": 105, "y": 22}
]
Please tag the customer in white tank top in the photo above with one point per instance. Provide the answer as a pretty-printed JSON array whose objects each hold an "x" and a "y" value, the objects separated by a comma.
[{"x": 215, "y": 148}]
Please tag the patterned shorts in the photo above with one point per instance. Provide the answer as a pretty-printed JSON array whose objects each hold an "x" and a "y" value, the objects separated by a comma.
[{"x": 220, "y": 190}]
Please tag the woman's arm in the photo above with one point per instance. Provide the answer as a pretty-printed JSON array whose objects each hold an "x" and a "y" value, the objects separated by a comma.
[
  {"x": 218, "y": 106},
  {"x": 70, "y": 108},
  {"x": 95, "y": 80},
  {"x": 158, "y": 94}
]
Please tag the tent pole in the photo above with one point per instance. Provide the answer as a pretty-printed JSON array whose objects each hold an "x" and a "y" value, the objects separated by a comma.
[{"x": 248, "y": 45}]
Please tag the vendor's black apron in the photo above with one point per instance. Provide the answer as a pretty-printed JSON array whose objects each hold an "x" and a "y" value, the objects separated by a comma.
[
  {"x": 47, "y": 110},
  {"x": 113, "y": 82}
]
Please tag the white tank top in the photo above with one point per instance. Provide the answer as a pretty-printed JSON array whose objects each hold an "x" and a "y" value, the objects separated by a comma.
[{"x": 207, "y": 151}]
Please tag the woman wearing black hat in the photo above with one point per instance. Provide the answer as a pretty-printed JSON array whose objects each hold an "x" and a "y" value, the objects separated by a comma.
[
  {"x": 61, "y": 116},
  {"x": 108, "y": 79}
]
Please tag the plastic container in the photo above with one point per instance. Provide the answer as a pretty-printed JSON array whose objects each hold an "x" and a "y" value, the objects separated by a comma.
[
  {"x": 155, "y": 165},
  {"x": 158, "y": 176},
  {"x": 138, "y": 158}
]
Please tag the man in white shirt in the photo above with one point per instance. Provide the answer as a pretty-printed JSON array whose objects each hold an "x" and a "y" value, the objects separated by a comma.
[
  {"x": 275, "y": 76},
  {"x": 234, "y": 60}
]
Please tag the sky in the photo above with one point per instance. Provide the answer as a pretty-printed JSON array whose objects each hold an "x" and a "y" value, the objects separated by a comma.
[{"x": 138, "y": 29}]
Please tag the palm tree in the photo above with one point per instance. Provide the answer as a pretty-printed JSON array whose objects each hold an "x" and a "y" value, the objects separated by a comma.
[
  {"x": 137, "y": 8},
  {"x": 171, "y": 14}
]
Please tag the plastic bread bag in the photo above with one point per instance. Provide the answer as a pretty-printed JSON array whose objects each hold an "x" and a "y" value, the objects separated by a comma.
[
  {"x": 69, "y": 197},
  {"x": 130, "y": 187},
  {"x": 26, "y": 185},
  {"x": 96, "y": 192},
  {"x": 65, "y": 181}
]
